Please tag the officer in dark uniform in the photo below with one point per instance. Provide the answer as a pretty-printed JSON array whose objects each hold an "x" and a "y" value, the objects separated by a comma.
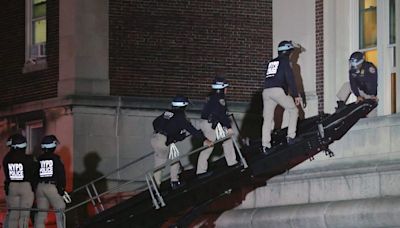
[
  {"x": 171, "y": 127},
  {"x": 51, "y": 184},
  {"x": 214, "y": 113},
  {"x": 278, "y": 80},
  {"x": 19, "y": 172},
  {"x": 363, "y": 81}
]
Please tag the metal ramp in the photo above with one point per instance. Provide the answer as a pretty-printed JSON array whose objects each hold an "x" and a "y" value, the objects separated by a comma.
[
  {"x": 152, "y": 206},
  {"x": 144, "y": 187}
]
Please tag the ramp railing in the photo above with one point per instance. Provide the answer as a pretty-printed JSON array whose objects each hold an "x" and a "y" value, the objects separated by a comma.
[{"x": 143, "y": 181}]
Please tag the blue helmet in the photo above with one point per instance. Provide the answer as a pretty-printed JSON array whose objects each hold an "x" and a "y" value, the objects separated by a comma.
[
  {"x": 180, "y": 101},
  {"x": 49, "y": 142},
  {"x": 285, "y": 46},
  {"x": 219, "y": 83},
  {"x": 356, "y": 59},
  {"x": 17, "y": 141}
]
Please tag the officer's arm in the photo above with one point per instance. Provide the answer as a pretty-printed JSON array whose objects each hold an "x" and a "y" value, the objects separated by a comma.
[
  {"x": 374, "y": 81},
  {"x": 225, "y": 121},
  {"x": 220, "y": 112},
  {"x": 353, "y": 85},
  {"x": 35, "y": 174},
  {"x": 61, "y": 180},
  {"x": 6, "y": 181},
  {"x": 193, "y": 131},
  {"x": 290, "y": 79},
  {"x": 5, "y": 167}
]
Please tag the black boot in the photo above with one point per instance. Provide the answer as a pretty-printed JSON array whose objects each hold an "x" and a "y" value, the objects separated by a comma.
[{"x": 340, "y": 106}]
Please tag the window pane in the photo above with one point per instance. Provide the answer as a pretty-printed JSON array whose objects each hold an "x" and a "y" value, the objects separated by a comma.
[
  {"x": 39, "y": 31},
  {"x": 39, "y": 10},
  {"x": 368, "y": 36},
  {"x": 392, "y": 22},
  {"x": 372, "y": 56},
  {"x": 366, "y": 4},
  {"x": 38, "y": 1}
]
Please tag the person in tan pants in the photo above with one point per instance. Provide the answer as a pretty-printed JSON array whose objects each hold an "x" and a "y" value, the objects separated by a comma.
[
  {"x": 279, "y": 76},
  {"x": 52, "y": 183},
  {"x": 19, "y": 172},
  {"x": 363, "y": 82},
  {"x": 213, "y": 113},
  {"x": 169, "y": 128}
]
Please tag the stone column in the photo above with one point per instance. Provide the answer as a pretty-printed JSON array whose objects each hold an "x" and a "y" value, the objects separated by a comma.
[
  {"x": 397, "y": 56},
  {"x": 83, "y": 48}
]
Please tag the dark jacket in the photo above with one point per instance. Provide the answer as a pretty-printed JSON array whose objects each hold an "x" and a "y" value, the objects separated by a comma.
[
  {"x": 51, "y": 170},
  {"x": 365, "y": 79},
  {"x": 279, "y": 74},
  {"x": 174, "y": 124},
  {"x": 215, "y": 111},
  {"x": 18, "y": 167}
]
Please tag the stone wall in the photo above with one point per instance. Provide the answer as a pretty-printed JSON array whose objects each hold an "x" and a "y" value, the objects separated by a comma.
[{"x": 357, "y": 188}]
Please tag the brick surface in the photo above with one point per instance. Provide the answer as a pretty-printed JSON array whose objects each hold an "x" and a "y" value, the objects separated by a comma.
[
  {"x": 161, "y": 48},
  {"x": 157, "y": 49},
  {"x": 17, "y": 87},
  {"x": 319, "y": 33}
]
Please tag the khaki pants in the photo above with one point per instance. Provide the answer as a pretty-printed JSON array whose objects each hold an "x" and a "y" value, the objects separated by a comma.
[
  {"x": 20, "y": 195},
  {"x": 229, "y": 151},
  {"x": 272, "y": 97},
  {"x": 161, "y": 152},
  {"x": 45, "y": 194},
  {"x": 345, "y": 91}
]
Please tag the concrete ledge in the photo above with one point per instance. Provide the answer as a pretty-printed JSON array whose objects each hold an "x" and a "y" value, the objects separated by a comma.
[
  {"x": 137, "y": 103},
  {"x": 366, "y": 213}
]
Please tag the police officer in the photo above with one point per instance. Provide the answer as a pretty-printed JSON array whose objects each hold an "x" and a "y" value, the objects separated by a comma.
[
  {"x": 215, "y": 112},
  {"x": 363, "y": 83},
  {"x": 279, "y": 78},
  {"x": 170, "y": 127},
  {"x": 19, "y": 172},
  {"x": 51, "y": 184}
]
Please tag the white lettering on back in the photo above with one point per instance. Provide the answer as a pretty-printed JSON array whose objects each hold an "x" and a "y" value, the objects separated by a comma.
[
  {"x": 272, "y": 69},
  {"x": 46, "y": 168},
  {"x": 16, "y": 171}
]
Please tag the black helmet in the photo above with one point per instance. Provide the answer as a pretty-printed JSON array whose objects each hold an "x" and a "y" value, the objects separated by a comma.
[
  {"x": 285, "y": 46},
  {"x": 180, "y": 101},
  {"x": 219, "y": 82},
  {"x": 49, "y": 142},
  {"x": 17, "y": 141},
  {"x": 356, "y": 59}
]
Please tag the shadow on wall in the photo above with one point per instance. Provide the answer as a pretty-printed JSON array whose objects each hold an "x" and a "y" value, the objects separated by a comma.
[
  {"x": 91, "y": 162},
  {"x": 252, "y": 122},
  {"x": 294, "y": 58}
]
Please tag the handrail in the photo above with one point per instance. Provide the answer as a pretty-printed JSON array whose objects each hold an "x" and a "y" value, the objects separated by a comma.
[
  {"x": 114, "y": 171},
  {"x": 143, "y": 184},
  {"x": 151, "y": 170},
  {"x": 134, "y": 179}
]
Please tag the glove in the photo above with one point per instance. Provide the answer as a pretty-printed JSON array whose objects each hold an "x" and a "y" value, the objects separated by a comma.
[
  {"x": 173, "y": 151},
  {"x": 66, "y": 197},
  {"x": 220, "y": 132},
  {"x": 60, "y": 191}
]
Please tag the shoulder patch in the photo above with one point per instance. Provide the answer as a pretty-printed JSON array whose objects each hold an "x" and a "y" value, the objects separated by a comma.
[
  {"x": 222, "y": 102},
  {"x": 168, "y": 115},
  {"x": 372, "y": 70}
]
